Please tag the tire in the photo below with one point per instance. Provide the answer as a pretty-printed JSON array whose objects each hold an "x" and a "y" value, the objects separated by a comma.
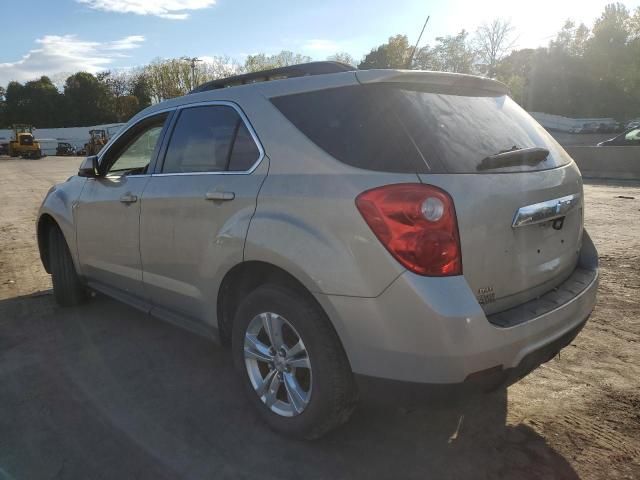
[
  {"x": 68, "y": 290},
  {"x": 331, "y": 392}
]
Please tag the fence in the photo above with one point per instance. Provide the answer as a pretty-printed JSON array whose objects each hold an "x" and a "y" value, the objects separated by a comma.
[{"x": 615, "y": 163}]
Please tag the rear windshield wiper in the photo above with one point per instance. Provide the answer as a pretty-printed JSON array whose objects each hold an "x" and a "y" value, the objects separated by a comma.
[{"x": 514, "y": 157}]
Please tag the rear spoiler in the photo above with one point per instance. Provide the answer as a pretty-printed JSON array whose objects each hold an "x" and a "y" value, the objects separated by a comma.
[{"x": 438, "y": 82}]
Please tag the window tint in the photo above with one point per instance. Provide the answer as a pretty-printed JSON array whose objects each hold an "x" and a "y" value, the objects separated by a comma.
[
  {"x": 245, "y": 151},
  {"x": 398, "y": 129},
  {"x": 203, "y": 141},
  {"x": 457, "y": 132},
  {"x": 133, "y": 152},
  {"x": 348, "y": 125}
]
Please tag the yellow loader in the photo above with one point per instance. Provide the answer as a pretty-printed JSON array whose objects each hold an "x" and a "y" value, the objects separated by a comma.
[{"x": 23, "y": 144}]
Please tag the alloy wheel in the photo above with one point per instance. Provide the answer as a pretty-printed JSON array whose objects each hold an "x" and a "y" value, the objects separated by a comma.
[{"x": 278, "y": 364}]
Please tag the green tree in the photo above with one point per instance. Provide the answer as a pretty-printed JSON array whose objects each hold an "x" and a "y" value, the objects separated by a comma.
[
  {"x": 127, "y": 106},
  {"x": 613, "y": 63},
  {"x": 571, "y": 40},
  {"x": 394, "y": 54},
  {"x": 164, "y": 79},
  {"x": 342, "y": 57},
  {"x": 42, "y": 102},
  {"x": 141, "y": 89},
  {"x": 259, "y": 62},
  {"x": 14, "y": 103},
  {"x": 515, "y": 71},
  {"x": 450, "y": 54},
  {"x": 87, "y": 100},
  {"x": 583, "y": 72}
]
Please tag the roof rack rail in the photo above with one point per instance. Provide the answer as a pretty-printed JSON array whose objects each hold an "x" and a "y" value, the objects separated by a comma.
[{"x": 300, "y": 70}]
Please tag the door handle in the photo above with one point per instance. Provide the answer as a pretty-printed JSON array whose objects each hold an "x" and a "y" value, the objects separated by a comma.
[
  {"x": 223, "y": 196},
  {"x": 129, "y": 198}
]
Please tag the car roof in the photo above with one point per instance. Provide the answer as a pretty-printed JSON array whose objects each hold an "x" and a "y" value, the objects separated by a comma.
[{"x": 322, "y": 75}]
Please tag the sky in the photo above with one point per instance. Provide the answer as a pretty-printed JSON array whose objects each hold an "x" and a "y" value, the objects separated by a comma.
[{"x": 59, "y": 37}]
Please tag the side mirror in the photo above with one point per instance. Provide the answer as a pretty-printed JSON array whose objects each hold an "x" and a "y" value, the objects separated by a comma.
[{"x": 89, "y": 167}]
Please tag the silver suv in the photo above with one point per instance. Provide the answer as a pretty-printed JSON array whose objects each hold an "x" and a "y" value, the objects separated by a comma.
[{"x": 339, "y": 229}]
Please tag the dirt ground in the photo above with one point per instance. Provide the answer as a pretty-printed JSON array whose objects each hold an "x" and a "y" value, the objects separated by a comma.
[{"x": 103, "y": 391}]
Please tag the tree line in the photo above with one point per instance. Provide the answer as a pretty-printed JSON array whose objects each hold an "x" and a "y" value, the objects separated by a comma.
[{"x": 583, "y": 72}]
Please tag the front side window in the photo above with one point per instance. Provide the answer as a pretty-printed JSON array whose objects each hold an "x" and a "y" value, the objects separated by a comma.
[
  {"x": 210, "y": 138},
  {"x": 133, "y": 152}
]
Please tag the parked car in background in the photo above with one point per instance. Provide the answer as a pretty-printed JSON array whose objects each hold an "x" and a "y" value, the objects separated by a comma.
[
  {"x": 607, "y": 128},
  {"x": 339, "y": 229},
  {"x": 4, "y": 148},
  {"x": 628, "y": 138},
  {"x": 65, "y": 149}
]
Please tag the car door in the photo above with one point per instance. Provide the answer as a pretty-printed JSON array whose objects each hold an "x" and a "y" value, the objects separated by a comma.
[
  {"x": 108, "y": 211},
  {"x": 196, "y": 209}
]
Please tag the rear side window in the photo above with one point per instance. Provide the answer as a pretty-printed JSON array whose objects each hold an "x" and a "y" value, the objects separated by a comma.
[
  {"x": 244, "y": 152},
  {"x": 210, "y": 138},
  {"x": 405, "y": 129}
]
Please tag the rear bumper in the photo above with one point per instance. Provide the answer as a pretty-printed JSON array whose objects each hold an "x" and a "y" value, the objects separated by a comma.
[
  {"x": 432, "y": 330},
  {"x": 413, "y": 393}
]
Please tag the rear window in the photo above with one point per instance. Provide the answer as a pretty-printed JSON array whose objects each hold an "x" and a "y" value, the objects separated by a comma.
[{"x": 403, "y": 129}]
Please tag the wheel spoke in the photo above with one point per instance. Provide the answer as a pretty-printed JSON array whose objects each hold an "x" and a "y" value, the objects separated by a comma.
[
  {"x": 262, "y": 389},
  {"x": 300, "y": 362},
  {"x": 297, "y": 397},
  {"x": 297, "y": 349},
  {"x": 271, "y": 394},
  {"x": 254, "y": 348},
  {"x": 273, "y": 327}
]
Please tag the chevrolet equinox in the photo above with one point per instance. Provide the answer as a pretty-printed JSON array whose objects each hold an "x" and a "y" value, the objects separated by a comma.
[{"x": 336, "y": 227}]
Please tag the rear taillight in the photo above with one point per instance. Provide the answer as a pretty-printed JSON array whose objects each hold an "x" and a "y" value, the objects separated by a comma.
[{"x": 417, "y": 224}]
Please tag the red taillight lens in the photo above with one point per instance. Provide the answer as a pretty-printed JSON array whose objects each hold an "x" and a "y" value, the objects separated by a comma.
[{"x": 417, "y": 224}]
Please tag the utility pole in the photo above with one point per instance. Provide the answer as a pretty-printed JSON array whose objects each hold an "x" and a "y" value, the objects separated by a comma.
[
  {"x": 413, "y": 52},
  {"x": 192, "y": 61}
]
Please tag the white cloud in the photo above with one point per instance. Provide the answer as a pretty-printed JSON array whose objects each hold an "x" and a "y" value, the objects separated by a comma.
[
  {"x": 126, "y": 43},
  {"x": 66, "y": 53},
  {"x": 170, "y": 9}
]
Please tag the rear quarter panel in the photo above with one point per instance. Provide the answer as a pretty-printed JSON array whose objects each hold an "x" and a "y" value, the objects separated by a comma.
[{"x": 306, "y": 221}]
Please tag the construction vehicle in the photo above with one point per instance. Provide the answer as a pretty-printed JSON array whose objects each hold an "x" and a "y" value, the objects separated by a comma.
[
  {"x": 97, "y": 140},
  {"x": 23, "y": 144},
  {"x": 65, "y": 149}
]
